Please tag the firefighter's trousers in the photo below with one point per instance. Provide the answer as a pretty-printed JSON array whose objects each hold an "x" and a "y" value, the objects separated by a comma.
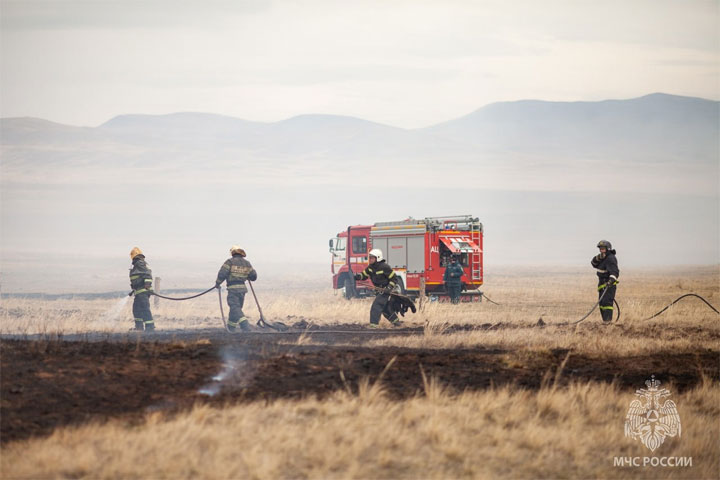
[
  {"x": 141, "y": 311},
  {"x": 606, "y": 303},
  {"x": 382, "y": 306},
  {"x": 236, "y": 300},
  {"x": 454, "y": 291}
]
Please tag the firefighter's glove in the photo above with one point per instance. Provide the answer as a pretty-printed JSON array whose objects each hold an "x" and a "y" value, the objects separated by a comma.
[
  {"x": 217, "y": 285},
  {"x": 358, "y": 276},
  {"x": 131, "y": 293},
  {"x": 387, "y": 290}
]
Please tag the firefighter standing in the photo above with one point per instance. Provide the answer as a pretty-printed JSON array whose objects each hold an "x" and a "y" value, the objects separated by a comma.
[
  {"x": 607, "y": 271},
  {"x": 236, "y": 270},
  {"x": 452, "y": 276},
  {"x": 141, "y": 284},
  {"x": 385, "y": 281}
]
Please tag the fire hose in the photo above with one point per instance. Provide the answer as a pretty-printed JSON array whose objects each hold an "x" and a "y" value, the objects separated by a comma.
[
  {"x": 649, "y": 318},
  {"x": 680, "y": 298},
  {"x": 260, "y": 323},
  {"x": 596, "y": 305},
  {"x": 279, "y": 326},
  {"x": 222, "y": 314},
  {"x": 587, "y": 314}
]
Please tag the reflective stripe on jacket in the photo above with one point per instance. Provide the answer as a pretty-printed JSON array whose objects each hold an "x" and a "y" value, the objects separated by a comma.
[
  {"x": 606, "y": 267},
  {"x": 380, "y": 274},
  {"x": 140, "y": 275},
  {"x": 236, "y": 270}
]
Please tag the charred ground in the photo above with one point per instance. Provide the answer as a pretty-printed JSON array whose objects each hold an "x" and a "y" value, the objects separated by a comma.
[{"x": 50, "y": 382}]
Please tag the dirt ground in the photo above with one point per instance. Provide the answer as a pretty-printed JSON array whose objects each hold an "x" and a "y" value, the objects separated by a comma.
[{"x": 48, "y": 383}]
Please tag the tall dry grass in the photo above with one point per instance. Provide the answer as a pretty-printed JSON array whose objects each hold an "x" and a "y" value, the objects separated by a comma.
[
  {"x": 571, "y": 432},
  {"x": 525, "y": 295}
]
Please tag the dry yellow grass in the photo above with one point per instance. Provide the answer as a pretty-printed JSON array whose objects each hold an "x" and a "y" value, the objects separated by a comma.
[
  {"x": 573, "y": 432},
  {"x": 524, "y": 295}
]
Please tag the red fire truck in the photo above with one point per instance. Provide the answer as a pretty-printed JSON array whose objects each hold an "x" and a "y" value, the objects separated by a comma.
[{"x": 417, "y": 250}]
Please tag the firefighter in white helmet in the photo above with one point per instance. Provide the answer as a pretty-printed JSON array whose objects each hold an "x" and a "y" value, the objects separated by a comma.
[
  {"x": 385, "y": 281},
  {"x": 608, "y": 272},
  {"x": 235, "y": 271},
  {"x": 141, "y": 284}
]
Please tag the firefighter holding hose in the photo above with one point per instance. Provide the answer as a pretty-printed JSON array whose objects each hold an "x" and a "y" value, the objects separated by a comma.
[
  {"x": 141, "y": 284},
  {"x": 608, "y": 272},
  {"x": 235, "y": 271},
  {"x": 384, "y": 279}
]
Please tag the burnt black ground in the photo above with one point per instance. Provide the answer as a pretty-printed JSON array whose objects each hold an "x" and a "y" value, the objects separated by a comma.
[{"x": 49, "y": 382}]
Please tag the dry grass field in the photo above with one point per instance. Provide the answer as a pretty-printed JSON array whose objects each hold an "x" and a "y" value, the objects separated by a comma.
[{"x": 466, "y": 391}]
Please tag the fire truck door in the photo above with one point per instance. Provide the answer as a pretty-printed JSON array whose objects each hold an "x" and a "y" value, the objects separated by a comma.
[
  {"x": 382, "y": 244},
  {"x": 397, "y": 252}
]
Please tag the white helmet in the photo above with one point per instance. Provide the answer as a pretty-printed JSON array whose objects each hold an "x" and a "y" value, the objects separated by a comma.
[{"x": 377, "y": 253}]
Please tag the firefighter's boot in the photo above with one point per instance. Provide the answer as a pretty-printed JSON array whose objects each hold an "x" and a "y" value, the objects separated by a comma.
[
  {"x": 139, "y": 326},
  {"x": 149, "y": 326},
  {"x": 607, "y": 314},
  {"x": 244, "y": 325}
]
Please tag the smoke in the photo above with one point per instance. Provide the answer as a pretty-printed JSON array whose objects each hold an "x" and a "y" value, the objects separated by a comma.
[{"x": 236, "y": 373}]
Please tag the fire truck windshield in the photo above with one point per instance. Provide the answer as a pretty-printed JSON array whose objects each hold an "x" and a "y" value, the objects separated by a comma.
[{"x": 337, "y": 244}]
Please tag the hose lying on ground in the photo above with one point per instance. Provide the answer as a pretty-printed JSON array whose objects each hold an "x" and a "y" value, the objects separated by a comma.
[
  {"x": 680, "y": 298},
  {"x": 489, "y": 300}
]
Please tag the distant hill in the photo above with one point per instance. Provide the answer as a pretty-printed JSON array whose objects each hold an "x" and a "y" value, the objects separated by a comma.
[
  {"x": 656, "y": 127},
  {"x": 547, "y": 179}
]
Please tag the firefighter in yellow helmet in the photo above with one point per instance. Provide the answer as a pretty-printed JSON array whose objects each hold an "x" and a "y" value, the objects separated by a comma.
[
  {"x": 235, "y": 271},
  {"x": 141, "y": 284}
]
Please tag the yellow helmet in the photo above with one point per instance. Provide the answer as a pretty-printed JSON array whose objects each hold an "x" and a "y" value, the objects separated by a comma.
[
  {"x": 237, "y": 249},
  {"x": 135, "y": 252}
]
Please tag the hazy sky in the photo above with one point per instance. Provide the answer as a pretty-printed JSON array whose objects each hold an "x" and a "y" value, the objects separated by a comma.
[{"x": 408, "y": 64}]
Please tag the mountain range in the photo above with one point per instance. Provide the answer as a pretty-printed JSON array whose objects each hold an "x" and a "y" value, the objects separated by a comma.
[
  {"x": 657, "y": 126},
  {"x": 547, "y": 178}
]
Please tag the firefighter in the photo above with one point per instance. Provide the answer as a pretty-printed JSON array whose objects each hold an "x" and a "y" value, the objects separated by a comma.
[
  {"x": 385, "y": 281},
  {"x": 236, "y": 270},
  {"x": 452, "y": 276},
  {"x": 141, "y": 284},
  {"x": 607, "y": 271}
]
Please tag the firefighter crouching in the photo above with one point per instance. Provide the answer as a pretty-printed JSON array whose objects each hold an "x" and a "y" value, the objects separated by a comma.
[
  {"x": 607, "y": 271},
  {"x": 141, "y": 284},
  {"x": 452, "y": 279},
  {"x": 385, "y": 281},
  {"x": 236, "y": 270}
]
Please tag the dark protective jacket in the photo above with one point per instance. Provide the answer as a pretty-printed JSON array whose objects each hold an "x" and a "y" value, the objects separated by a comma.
[
  {"x": 140, "y": 275},
  {"x": 452, "y": 275},
  {"x": 607, "y": 267},
  {"x": 380, "y": 274},
  {"x": 236, "y": 270}
]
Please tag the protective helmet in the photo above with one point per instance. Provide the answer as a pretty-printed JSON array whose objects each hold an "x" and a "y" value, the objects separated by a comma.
[
  {"x": 135, "y": 252},
  {"x": 237, "y": 249},
  {"x": 377, "y": 253},
  {"x": 604, "y": 244}
]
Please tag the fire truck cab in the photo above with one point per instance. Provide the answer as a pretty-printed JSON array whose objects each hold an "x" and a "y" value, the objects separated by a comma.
[{"x": 417, "y": 250}]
